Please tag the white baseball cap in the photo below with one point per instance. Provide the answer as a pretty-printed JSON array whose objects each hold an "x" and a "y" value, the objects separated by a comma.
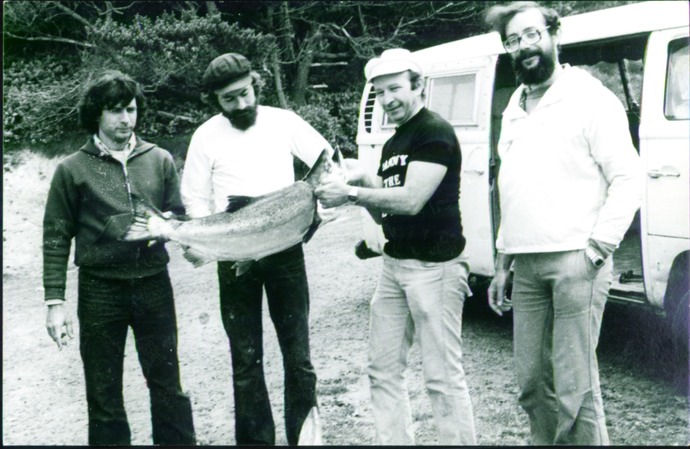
[{"x": 394, "y": 60}]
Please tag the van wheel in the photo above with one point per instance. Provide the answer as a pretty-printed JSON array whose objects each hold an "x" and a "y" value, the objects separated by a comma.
[{"x": 677, "y": 307}]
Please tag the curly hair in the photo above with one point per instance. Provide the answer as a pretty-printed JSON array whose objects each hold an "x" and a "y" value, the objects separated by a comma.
[
  {"x": 497, "y": 17},
  {"x": 110, "y": 90}
]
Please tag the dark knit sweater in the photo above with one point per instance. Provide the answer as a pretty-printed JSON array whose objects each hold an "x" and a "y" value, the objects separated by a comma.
[{"x": 90, "y": 201}]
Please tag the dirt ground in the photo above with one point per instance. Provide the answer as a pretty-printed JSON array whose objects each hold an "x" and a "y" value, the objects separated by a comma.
[{"x": 43, "y": 389}]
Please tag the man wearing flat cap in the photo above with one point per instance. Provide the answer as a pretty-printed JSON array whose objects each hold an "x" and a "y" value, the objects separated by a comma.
[
  {"x": 423, "y": 285},
  {"x": 246, "y": 150}
]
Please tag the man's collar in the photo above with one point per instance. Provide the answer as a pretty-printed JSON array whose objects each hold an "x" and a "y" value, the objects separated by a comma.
[{"x": 103, "y": 148}]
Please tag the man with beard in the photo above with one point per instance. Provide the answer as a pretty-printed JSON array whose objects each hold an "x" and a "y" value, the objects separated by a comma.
[
  {"x": 246, "y": 151},
  {"x": 570, "y": 182}
]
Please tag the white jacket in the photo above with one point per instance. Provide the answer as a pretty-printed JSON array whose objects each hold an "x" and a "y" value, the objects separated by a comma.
[{"x": 569, "y": 171}]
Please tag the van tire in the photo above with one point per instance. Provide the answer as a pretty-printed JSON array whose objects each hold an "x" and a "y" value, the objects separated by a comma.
[{"x": 677, "y": 308}]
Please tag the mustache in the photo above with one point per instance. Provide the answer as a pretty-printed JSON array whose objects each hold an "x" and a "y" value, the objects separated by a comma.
[{"x": 525, "y": 54}]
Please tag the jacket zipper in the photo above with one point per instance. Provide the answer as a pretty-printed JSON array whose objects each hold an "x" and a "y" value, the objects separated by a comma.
[
  {"x": 128, "y": 186},
  {"x": 129, "y": 192}
]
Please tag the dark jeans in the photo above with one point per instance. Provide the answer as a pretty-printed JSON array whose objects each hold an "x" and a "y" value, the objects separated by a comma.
[
  {"x": 284, "y": 277},
  {"x": 106, "y": 310}
]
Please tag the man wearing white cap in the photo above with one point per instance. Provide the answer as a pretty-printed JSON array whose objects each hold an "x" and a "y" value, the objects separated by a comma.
[
  {"x": 424, "y": 282},
  {"x": 246, "y": 150}
]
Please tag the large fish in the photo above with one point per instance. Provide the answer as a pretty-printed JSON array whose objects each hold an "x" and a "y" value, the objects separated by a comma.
[{"x": 251, "y": 227}]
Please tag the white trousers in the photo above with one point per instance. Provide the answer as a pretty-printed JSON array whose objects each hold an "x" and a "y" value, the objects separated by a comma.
[{"x": 426, "y": 298}]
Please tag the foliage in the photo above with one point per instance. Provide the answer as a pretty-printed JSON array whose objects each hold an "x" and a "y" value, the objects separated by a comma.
[
  {"x": 168, "y": 56},
  {"x": 53, "y": 48},
  {"x": 334, "y": 115},
  {"x": 39, "y": 100}
]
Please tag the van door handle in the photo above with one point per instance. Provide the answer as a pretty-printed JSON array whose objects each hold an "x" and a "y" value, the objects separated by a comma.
[
  {"x": 474, "y": 170},
  {"x": 659, "y": 173}
]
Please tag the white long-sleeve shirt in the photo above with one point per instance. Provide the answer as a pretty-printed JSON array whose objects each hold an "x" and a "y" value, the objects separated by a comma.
[
  {"x": 569, "y": 171},
  {"x": 223, "y": 160}
]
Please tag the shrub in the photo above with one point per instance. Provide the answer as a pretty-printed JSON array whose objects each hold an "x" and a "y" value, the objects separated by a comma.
[
  {"x": 334, "y": 115},
  {"x": 168, "y": 55},
  {"x": 39, "y": 100}
]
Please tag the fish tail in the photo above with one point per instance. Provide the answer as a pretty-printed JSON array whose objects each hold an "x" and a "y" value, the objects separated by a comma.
[
  {"x": 144, "y": 217},
  {"x": 311, "y": 433}
]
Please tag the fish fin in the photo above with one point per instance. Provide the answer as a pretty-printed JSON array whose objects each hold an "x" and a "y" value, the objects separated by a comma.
[
  {"x": 242, "y": 267},
  {"x": 138, "y": 229},
  {"x": 312, "y": 229},
  {"x": 236, "y": 202},
  {"x": 338, "y": 156},
  {"x": 197, "y": 258}
]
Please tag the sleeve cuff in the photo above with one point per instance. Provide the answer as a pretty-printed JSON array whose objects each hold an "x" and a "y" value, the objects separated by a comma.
[{"x": 52, "y": 302}]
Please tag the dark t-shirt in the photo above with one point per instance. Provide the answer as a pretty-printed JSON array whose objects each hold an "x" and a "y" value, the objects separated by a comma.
[{"x": 435, "y": 233}]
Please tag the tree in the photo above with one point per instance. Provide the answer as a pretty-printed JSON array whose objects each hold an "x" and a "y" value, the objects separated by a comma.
[
  {"x": 53, "y": 47},
  {"x": 345, "y": 34}
]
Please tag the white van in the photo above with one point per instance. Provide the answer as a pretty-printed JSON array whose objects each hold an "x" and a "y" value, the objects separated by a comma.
[{"x": 640, "y": 52}]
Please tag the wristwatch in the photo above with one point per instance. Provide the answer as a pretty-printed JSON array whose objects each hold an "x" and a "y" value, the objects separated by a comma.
[
  {"x": 353, "y": 195},
  {"x": 594, "y": 257}
]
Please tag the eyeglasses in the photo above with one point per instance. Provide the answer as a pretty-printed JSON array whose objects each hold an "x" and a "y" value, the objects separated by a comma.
[{"x": 529, "y": 37}]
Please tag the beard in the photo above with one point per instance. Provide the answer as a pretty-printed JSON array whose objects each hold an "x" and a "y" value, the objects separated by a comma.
[
  {"x": 538, "y": 74},
  {"x": 242, "y": 119}
]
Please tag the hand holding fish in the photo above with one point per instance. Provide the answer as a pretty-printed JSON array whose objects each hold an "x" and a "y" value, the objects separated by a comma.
[
  {"x": 59, "y": 325},
  {"x": 332, "y": 193}
]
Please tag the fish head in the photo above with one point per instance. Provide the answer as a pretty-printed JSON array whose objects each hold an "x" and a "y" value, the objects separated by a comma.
[{"x": 326, "y": 166}]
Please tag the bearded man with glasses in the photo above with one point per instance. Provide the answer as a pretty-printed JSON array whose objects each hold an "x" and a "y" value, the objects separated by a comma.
[{"x": 570, "y": 182}]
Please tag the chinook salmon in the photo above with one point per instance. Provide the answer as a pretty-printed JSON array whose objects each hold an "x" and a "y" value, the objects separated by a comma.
[{"x": 251, "y": 228}]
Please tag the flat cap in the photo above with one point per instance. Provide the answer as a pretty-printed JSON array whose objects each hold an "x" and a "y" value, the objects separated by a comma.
[
  {"x": 394, "y": 60},
  {"x": 226, "y": 69}
]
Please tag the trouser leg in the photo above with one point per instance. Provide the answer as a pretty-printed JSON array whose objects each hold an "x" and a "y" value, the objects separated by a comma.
[
  {"x": 558, "y": 301},
  {"x": 287, "y": 292},
  {"x": 436, "y": 294},
  {"x": 103, "y": 323},
  {"x": 532, "y": 339},
  {"x": 391, "y": 332},
  {"x": 155, "y": 330},
  {"x": 579, "y": 299},
  {"x": 240, "y": 302}
]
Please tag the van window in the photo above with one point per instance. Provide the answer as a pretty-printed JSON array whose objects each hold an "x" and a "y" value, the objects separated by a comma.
[
  {"x": 453, "y": 97},
  {"x": 677, "y": 104}
]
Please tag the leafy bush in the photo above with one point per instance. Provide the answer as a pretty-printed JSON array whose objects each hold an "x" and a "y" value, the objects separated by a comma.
[
  {"x": 168, "y": 55},
  {"x": 39, "y": 100},
  {"x": 334, "y": 115}
]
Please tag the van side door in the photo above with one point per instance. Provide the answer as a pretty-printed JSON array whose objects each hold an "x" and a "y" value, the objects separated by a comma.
[{"x": 665, "y": 151}]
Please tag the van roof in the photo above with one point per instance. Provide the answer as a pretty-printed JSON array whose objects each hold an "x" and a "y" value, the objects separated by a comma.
[{"x": 606, "y": 23}]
